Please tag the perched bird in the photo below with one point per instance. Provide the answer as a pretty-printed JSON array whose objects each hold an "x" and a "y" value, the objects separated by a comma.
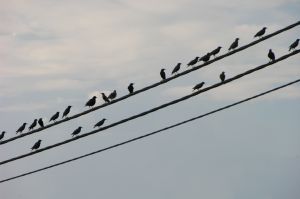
[
  {"x": 105, "y": 98},
  {"x": 54, "y": 117},
  {"x": 2, "y": 135},
  {"x": 176, "y": 68},
  {"x": 222, "y": 76},
  {"x": 215, "y": 51},
  {"x": 113, "y": 95},
  {"x": 41, "y": 123},
  {"x": 130, "y": 88},
  {"x": 205, "y": 58},
  {"x": 100, "y": 123},
  {"x": 294, "y": 45},
  {"x": 261, "y": 32},
  {"x": 76, "y": 131},
  {"x": 234, "y": 44},
  {"x": 163, "y": 74},
  {"x": 21, "y": 128},
  {"x": 66, "y": 112},
  {"x": 271, "y": 55},
  {"x": 91, "y": 102},
  {"x": 36, "y": 145},
  {"x": 34, "y": 123},
  {"x": 198, "y": 86},
  {"x": 193, "y": 62}
]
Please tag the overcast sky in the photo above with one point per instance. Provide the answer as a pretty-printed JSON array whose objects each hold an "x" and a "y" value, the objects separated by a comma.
[{"x": 55, "y": 53}]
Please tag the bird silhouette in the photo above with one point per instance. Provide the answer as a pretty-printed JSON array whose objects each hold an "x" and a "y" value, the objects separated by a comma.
[
  {"x": 261, "y": 32},
  {"x": 54, "y": 117},
  {"x": 271, "y": 55},
  {"x": 130, "y": 88},
  {"x": 113, "y": 95},
  {"x": 294, "y": 45},
  {"x": 234, "y": 44},
  {"x": 21, "y": 128},
  {"x": 215, "y": 51},
  {"x": 176, "y": 68},
  {"x": 41, "y": 123},
  {"x": 100, "y": 123},
  {"x": 91, "y": 102},
  {"x": 222, "y": 76},
  {"x": 163, "y": 74},
  {"x": 34, "y": 123},
  {"x": 193, "y": 62},
  {"x": 76, "y": 131},
  {"x": 67, "y": 111},
  {"x": 198, "y": 86},
  {"x": 2, "y": 135},
  {"x": 105, "y": 98},
  {"x": 205, "y": 58},
  {"x": 36, "y": 145}
]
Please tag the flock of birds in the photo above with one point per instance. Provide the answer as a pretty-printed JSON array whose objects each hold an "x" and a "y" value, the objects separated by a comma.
[{"x": 91, "y": 102}]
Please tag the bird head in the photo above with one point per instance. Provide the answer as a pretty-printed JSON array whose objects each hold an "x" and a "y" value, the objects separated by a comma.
[
  {"x": 3, "y": 132},
  {"x": 80, "y": 127},
  {"x": 39, "y": 140},
  {"x": 131, "y": 83},
  {"x": 24, "y": 123},
  {"x": 69, "y": 106},
  {"x": 220, "y": 47},
  {"x": 104, "y": 119},
  {"x": 264, "y": 28},
  {"x": 237, "y": 39},
  {"x": 297, "y": 40},
  {"x": 94, "y": 97},
  {"x": 163, "y": 69},
  {"x": 35, "y": 120}
]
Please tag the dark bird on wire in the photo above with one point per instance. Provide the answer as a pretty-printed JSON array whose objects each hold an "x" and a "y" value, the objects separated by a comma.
[
  {"x": 34, "y": 123},
  {"x": 222, "y": 76},
  {"x": 100, "y": 123},
  {"x": 76, "y": 131},
  {"x": 193, "y": 62},
  {"x": 163, "y": 74},
  {"x": 176, "y": 68},
  {"x": 21, "y": 128},
  {"x": 91, "y": 102},
  {"x": 54, "y": 117},
  {"x": 198, "y": 86},
  {"x": 294, "y": 45},
  {"x": 2, "y": 135},
  {"x": 130, "y": 88},
  {"x": 271, "y": 55},
  {"x": 41, "y": 123},
  {"x": 205, "y": 58},
  {"x": 215, "y": 51},
  {"x": 105, "y": 98},
  {"x": 113, "y": 95},
  {"x": 67, "y": 111},
  {"x": 234, "y": 44},
  {"x": 261, "y": 32},
  {"x": 36, "y": 145}
]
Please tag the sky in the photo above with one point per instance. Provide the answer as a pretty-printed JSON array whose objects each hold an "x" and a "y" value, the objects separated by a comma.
[{"x": 59, "y": 53}]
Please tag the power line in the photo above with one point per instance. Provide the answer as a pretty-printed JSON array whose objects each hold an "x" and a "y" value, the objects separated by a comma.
[
  {"x": 153, "y": 85},
  {"x": 151, "y": 110},
  {"x": 152, "y": 133}
]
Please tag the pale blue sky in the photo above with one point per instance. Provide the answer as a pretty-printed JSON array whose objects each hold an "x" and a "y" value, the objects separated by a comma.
[{"x": 59, "y": 53}]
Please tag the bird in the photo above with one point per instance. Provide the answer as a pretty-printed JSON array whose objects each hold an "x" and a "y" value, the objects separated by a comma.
[
  {"x": 198, "y": 86},
  {"x": 261, "y": 32},
  {"x": 54, "y": 117},
  {"x": 21, "y": 128},
  {"x": 66, "y": 112},
  {"x": 105, "y": 98},
  {"x": 91, "y": 102},
  {"x": 100, "y": 123},
  {"x": 222, "y": 76},
  {"x": 205, "y": 58},
  {"x": 76, "y": 131},
  {"x": 271, "y": 55},
  {"x": 41, "y": 123},
  {"x": 2, "y": 135},
  {"x": 163, "y": 74},
  {"x": 215, "y": 51},
  {"x": 34, "y": 123},
  {"x": 234, "y": 44},
  {"x": 176, "y": 68},
  {"x": 113, "y": 95},
  {"x": 36, "y": 145},
  {"x": 193, "y": 62},
  {"x": 294, "y": 45},
  {"x": 130, "y": 88}
]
